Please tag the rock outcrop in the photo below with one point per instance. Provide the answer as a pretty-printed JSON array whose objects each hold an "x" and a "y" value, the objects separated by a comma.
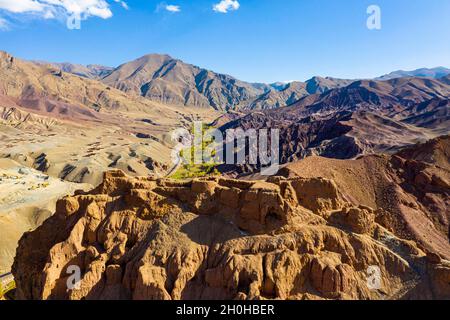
[{"x": 213, "y": 238}]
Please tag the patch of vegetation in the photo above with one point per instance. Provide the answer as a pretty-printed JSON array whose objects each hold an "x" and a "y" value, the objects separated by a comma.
[{"x": 192, "y": 170}]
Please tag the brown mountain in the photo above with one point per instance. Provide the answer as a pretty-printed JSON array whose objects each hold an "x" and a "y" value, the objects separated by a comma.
[
  {"x": 300, "y": 237},
  {"x": 286, "y": 94},
  {"x": 319, "y": 85},
  {"x": 433, "y": 114},
  {"x": 49, "y": 90},
  {"x": 168, "y": 80},
  {"x": 387, "y": 97},
  {"x": 435, "y": 152},
  {"x": 276, "y": 98}
]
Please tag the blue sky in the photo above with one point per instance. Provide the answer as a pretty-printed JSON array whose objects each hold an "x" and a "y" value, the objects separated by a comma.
[{"x": 261, "y": 41}]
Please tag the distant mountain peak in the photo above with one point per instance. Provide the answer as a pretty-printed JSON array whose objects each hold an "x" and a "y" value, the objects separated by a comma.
[
  {"x": 155, "y": 56},
  {"x": 90, "y": 71},
  {"x": 319, "y": 84},
  {"x": 162, "y": 78},
  {"x": 435, "y": 73}
]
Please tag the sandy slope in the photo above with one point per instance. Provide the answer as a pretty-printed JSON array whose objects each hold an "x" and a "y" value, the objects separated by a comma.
[{"x": 27, "y": 198}]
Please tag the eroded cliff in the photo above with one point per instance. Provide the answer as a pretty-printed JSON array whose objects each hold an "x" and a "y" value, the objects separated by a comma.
[{"x": 297, "y": 238}]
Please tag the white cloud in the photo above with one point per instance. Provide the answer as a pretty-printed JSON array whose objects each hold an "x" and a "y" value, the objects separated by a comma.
[
  {"x": 53, "y": 9},
  {"x": 123, "y": 4},
  {"x": 21, "y": 6},
  {"x": 163, "y": 6},
  {"x": 226, "y": 5},
  {"x": 173, "y": 8},
  {"x": 3, "y": 24}
]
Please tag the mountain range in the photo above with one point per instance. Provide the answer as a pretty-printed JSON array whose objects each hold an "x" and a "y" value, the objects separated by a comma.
[
  {"x": 364, "y": 117},
  {"x": 435, "y": 73},
  {"x": 171, "y": 81},
  {"x": 331, "y": 117},
  {"x": 164, "y": 79}
]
